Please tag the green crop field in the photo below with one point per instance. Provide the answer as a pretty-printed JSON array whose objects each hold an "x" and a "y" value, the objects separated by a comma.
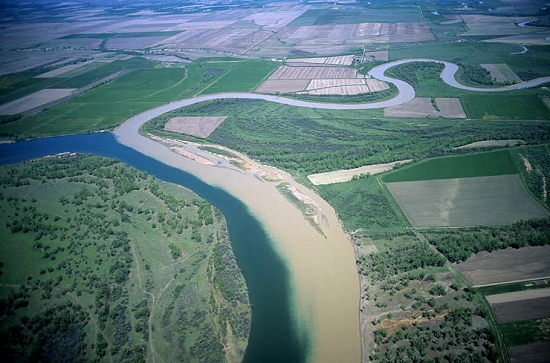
[
  {"x": 238, "y": 76},
  {"x": 108, "y": 105},
  {"x": 513, "y": 107},
  {"x": 101, "y": 261},
  {"x": 464, "y": 166}
]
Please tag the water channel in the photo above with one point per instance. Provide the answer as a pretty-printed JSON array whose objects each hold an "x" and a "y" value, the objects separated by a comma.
[{"x": 273, "y": 337}]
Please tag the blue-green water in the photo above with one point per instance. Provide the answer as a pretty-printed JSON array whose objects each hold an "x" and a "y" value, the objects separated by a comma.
[{"x": 273, "y": 337}]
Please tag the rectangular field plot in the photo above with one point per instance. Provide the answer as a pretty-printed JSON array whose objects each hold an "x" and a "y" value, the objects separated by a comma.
[
  {"x": 531, "y": 353},
  {"x": 200, "y": 126},
  {"x": 520, "y": 310},
  {"x": 500, "y": 199},
  {"x": 282, "y": 85},
  {"x": 286, "y": 72},
  {"x": 33, "y": 100},
  {"x": 507, "y": 265}
]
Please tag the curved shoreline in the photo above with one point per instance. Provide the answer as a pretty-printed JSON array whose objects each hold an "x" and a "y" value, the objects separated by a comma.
[{"x": 325, "y": 278}]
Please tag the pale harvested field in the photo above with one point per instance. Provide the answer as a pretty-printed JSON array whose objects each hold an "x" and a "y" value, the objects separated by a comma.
[
  {"x": 368, "y": 29},
  {"x": 410, "y": 32},
  {"x": 418, "y": 107},
  {"x": 35, "y": 99},
  {"x": 460, "y": 202},
  {"x": 204, "y": 25},
  {"x": 282, "y": 85},
  {"x": 520, "y": 310},
  {"x": 62, "y": 70},
  {"x": 275, "y": 19},
  {"x": 494, "y": 25},
  {"x": 501, "y": 72},
  {"x": 342, "y": 176},
  {"x": 376, "y": 85},
  {"x": 507, "y": 265},
  {"x": 530, "y": 353},
  {"x": 200, "y": 126},
  {"x": 491, "y": 143},
  {"x": 344, "y": 60},
  {"x": 324, "y": 83},
  {"x": 527, "y": 39},
  {"x": 341, "y": 90},
  {"x": 395, "y": 32},
  {"x": 423, "y": 107},
  {"x": 238, "y": 40},
  {"x": 450, "y": 107},
  {"x": 382, "y": 56},
  {"x": 286, "y": 72}
]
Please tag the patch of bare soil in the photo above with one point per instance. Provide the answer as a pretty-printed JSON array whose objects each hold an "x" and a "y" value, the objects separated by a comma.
[
  {"x": 492, "y": 143},
  {"x": 424, "y": 107},
  {"x": 522, "y": 310},
  {"x": 274, "y": 86},
  {"x": 35, "y": 99},
  {"x": 507, "y": 265},
  {"x": 530, "y": 353},
  {"x": 527, "y": 164},
  {"x": 341, "y": 176},
  {"x": 450, "y": 107},
  {"x": 519, "y": 296},
  {"x": 199, "y": 126}
]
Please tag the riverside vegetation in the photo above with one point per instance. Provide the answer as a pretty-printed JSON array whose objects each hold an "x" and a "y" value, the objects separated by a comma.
[{"x": 102, "y": 262}]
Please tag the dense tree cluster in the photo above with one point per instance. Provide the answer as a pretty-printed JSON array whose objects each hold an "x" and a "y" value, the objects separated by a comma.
[
  {"x": 459, "y": 244},
  {"x": 402, "y": 257},
  {"x": 315, "y": 141}
]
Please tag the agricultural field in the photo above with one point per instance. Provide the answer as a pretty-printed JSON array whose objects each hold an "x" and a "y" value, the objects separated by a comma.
[
  {"x": 320, "y": 76},
  {"x": 467, "y": 190},
  {"x": 505, "y": 107},
  {"x": 36, "y": 99},
  {"x": 234, "y": 75},
  {"x": 506, "y": 266},
  {"x": 464, "y": 166},
  {"x": 460, "y": 202},
  {"x": 194, "y": 126},
  {"x": 521, "y": 305},
  {"x": 84, "y": 281},
  {"x": 502, "y": 73},
  {"x": 533, "y": 353},
  {"x": 425, "y": 107}
]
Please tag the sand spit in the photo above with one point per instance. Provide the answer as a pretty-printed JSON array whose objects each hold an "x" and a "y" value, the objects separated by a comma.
[
  {"x": 325, "y": 279},
  {"x": 341, "y": 176}
]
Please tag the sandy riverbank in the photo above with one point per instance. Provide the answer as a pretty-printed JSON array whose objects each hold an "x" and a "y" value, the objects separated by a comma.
[{"x": 325, "y": 279}]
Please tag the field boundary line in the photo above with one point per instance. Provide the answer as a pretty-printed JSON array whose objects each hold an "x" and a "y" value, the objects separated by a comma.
[{"x": 512, "y": 282}]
